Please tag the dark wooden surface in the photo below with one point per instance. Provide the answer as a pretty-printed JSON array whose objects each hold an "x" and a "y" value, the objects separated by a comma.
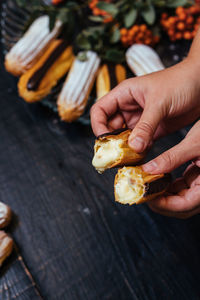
[{"x": 73, "y": 241}]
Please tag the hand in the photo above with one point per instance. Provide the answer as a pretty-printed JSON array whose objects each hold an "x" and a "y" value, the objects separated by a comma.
[
  {"x": 153, "y": 105},
  {"x": 183, "y": 199}
]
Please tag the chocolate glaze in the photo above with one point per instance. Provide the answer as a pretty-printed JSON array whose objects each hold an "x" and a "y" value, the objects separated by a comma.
[
  {"x": 112, "y": 75},
  {"x": 36, "y": 78},
  {"x": 115, "y": 132},
  {"x": 158, "y": 185}
]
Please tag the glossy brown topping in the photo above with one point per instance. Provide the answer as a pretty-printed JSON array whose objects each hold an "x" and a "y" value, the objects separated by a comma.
[
  {"x": 115, "y": 132},
  {"x": 158, "y": 185},
  {"x": 36, "y": 78},
  {"x": 112, "y": 75}
]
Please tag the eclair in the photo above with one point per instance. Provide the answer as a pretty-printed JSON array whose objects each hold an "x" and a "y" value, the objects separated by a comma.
[
  {"x": 112, "y": 150},
  {"x": 25, "y": 53},
  {"x": 38, "y": 81},
  {"x": 6, "y": 246},
  {"x": 134, "y": 186},
  {"x": 142, "y": 60},
  {"x": 73, "y": 97},
  {"x": 108, "y": 77}
]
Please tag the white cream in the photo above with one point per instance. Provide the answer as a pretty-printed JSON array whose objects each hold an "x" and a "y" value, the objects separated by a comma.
[
  {"x": 106, "y": 154},
  {"x": 129, "y": 190}
]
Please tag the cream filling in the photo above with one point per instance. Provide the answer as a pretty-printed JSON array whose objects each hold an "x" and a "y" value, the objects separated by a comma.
[
  {"x": 129, "y": 188},
  {"x": 106, "y": 154}
]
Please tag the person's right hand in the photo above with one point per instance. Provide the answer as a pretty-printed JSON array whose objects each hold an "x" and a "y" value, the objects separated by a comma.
[{"x": 152, "y": 105}]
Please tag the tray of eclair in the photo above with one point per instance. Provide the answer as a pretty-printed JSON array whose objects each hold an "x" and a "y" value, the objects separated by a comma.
[{"x": 49, "y": 71}]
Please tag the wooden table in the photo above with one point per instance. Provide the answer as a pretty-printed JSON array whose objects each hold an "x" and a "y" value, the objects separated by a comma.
[{"x": 72, "y": 240}]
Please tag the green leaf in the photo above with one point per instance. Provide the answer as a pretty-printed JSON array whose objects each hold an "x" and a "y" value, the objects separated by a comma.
[
  {"x": 114, "y": 55},
  {"x": 82, "y": 56},
  {"x": 83, "y": 42},
  {"x": 130, "y": 18},
  {"x": 108, "y": 7},
  {"x": 176, "y": 3},
  {"x": 115, "y": 36},
  {"x": 52, "y": 20},
  {"x": 149, "y": 14},
  {"x": 95, "y": 18},
  {"x": 21, "y": 2},
  {"x": 63, "y": 16}
]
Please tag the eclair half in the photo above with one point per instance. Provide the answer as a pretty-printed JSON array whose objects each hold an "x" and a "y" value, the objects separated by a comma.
[
  {"x": 25, "y": 53},
  {"x": 38, "y": 81},
  {"x": 112, "y": 150},
  {"x": 134, "y": 186},
  {"x": 109, "y": 76}
]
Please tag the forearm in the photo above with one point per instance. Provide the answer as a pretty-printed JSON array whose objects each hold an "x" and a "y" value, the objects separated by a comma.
[{"x": 195, "y": 50}]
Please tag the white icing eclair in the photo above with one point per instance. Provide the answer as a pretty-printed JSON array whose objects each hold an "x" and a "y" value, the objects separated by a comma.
[
  {"x": 143, "y": 60},
  {"x": 76, "y": 89},
  {"x": 31, "y": 46}
]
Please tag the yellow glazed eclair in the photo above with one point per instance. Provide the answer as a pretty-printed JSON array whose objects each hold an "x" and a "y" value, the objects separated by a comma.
[
  {"x": 76, "y": 89},
  {"x": 37, "y": 82},
  {"x": 31, "y": 46},
  {"x": 134, "y": 186},
  {"x": 142, "y": 60},
  {"x": 112, "y": 150},
  {"x": 108, "y": 77}
]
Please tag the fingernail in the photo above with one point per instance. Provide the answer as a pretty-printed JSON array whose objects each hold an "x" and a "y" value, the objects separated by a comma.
[
  {"x": 137, "y": 143},
  {"x": 150, "y": 167}
]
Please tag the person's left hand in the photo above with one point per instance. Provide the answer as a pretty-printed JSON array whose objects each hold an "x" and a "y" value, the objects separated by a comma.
[{"x": 183, "y": 199}]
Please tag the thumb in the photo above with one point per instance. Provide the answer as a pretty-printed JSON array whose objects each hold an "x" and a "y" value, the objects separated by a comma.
[
  {"x": 144, "y": 130},
  {"x": 187, "y": 149}
]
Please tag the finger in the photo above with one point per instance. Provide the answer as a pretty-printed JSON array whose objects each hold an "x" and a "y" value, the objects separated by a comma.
[
  {"x": 116, "y": 100},
  {"x": 186, "y": 150},
  {"x": 197, "y": 162},
  {"x": 179, "y": 215},
  {"x": 178, "y": 185},
  {"x": 144, "y": 130},
  {"x": 116, "y": 122},
  {"x": 191, "y": 174},
  {"x": 186, "y": 200},
  {"x": 99, "y": 120}
]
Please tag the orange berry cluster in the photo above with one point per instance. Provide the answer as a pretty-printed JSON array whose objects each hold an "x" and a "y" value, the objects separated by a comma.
[
  {"x": 184, "y": 24},
  {"x": 107, "y": 18},
  {"x": 139, "y": 34},
  {"x": 56, "y": 2}
]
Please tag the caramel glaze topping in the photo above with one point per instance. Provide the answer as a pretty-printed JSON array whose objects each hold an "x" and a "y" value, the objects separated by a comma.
[{"x": 36, "y": 78}]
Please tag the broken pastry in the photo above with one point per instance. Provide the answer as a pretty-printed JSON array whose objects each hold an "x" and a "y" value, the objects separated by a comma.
[
  {"x": 38, "y": 81},
  {"x": 143, "y": 60},
  {"x": 31, "y": 46},
  {"x": 108, "y": 77},
  {"x": 134, "y": 186},
  {"x": 6, "y": 246},
  {"x": 5, "y": 215},
  {"x": 76, "y": 89},
  {"x": 112, "y": 150}
]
